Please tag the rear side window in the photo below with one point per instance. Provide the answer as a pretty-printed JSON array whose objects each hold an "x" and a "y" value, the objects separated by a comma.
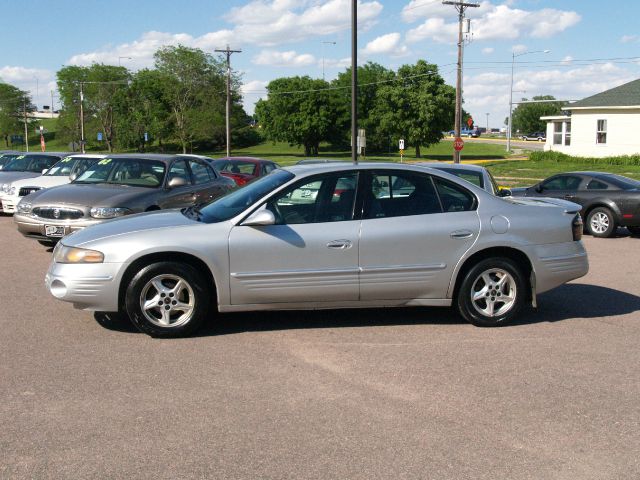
[
  {"x": 454, "y": 198},
  {"x": 597, "y": 185},
  {"x": 400, "y": 194}
]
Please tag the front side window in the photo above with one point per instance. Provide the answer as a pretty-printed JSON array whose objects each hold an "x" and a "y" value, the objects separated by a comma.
[
  {"x": 179, "y": 170},
  {"x": 564, "y": 182},
  {"x": 330, "y": 198},
  {"x": 124, "y": 171},
  {"x": 601, "y": 135}
]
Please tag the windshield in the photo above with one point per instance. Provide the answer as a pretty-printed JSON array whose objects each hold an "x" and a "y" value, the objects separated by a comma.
[
  {"x": 6, "y": 158},
  {"x": 30, "y": 163},
  {"x": 139, "y": 172},
  {"x": 235, "y": 166},
  {"x": 69, "y": 165},
  {"x": 235, "y": 202}
]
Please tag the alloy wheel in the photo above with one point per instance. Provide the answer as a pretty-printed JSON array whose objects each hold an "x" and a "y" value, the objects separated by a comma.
[
  {"x": 167, "y": 301},
  {"x": 494, "y": 292}
]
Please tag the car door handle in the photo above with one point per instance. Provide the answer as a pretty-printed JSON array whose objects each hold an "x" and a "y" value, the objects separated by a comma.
[
  {"x": 569, "y": 197},
  {"x": 461, "y": 234},
  {"x": 339, "y": 244}
]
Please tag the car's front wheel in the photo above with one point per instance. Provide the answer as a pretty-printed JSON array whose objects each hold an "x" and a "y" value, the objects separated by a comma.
[
  {"x": 600, "y": 222},
  {"x": 492, "y": 292},
  {"x": 168, "y": 299}
]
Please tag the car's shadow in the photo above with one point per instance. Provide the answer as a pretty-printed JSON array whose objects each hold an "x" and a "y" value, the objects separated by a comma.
[{"x": 572, "y": 301}]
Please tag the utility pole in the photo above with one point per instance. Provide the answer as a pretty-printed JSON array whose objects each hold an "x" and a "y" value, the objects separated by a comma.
[
  {"x": 51, "y": 104},
  {"x": 81, "y": 117},
  {"x": 228, "y": 52},
  {"x": 460, "y": 7},
  {"x": 354, "y": 81},
  {"x": 487, "y": 114},
  {"x": 26, "y": 129}
]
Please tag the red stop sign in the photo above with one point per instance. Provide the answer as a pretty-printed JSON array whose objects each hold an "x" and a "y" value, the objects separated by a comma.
[
  {"x": 470, "y": 122},
  {"x": 458, "y": 144}
]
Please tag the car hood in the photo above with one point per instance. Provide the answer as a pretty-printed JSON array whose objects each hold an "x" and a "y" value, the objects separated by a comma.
[
  {"x": 8, "y": 177},
  {"x": 518, "y": 191},
  {"x": 90, "y": 195},
  {"x": 569, "y": 207},
  {"x": 43, "y": 181},
  {"x": 128, "y": 225}
]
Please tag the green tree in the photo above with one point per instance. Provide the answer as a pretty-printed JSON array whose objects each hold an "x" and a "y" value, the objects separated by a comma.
[
  {"x": 13, "y": 104},
  {"x": 300, "y": 111},
  {"x": 193, "y": 89},
  {"x": 418, "y": 106},
  {"x": 526, "y": 116},
  {"x": 371, "y": 77}
]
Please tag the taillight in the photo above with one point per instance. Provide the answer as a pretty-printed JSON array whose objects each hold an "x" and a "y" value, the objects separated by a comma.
[{"x": 576, "y": 227}]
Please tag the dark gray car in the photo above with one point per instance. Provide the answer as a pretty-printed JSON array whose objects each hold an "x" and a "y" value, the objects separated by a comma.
[{"x": 116, "y": 186}]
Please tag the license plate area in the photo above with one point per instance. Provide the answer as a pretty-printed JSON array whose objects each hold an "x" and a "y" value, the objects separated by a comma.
[{"x": 54, "y": 231}]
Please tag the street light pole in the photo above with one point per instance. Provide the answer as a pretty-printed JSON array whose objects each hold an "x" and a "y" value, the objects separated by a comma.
[
  {"x": 354, "y": 81},
  {"x": 487, "y": 114},
  {"x": 323, "y": 44},
  {"x": 81, "y": 117},
  {"x": 26, "y": 129},
  {"x": 509, "y": 124}
]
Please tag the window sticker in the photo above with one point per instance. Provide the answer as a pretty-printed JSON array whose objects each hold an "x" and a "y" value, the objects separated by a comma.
[{"x": 105, "y": 161}]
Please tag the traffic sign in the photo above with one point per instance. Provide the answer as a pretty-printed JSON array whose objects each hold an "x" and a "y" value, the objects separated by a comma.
[
  {"x": 458, "y": 144},
  {"x": 470, "y": 122},
  {"x": 401, "y": 144}
]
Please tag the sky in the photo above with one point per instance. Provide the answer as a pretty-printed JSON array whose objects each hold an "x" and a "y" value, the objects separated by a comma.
[{"x": 592, "y": 45}]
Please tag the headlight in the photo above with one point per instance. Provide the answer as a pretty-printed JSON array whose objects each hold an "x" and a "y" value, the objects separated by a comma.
[
  {"x": 24, "y": 208},
  {"x": 12, "y": 191},
  {"x": 109, "y": 212},
  {"x": 64, "y": 254},
  {"x": 4, "y": 188}
]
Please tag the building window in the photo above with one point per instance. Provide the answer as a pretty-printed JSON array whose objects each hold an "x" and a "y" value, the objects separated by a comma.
[
  {"x": 601, "y": 135},
  {"x": 557, "y": 133},
  {"x": 567, "y": 133}
]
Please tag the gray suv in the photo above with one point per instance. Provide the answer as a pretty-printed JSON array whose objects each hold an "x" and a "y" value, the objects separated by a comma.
[{"x": 116, "y": 186}]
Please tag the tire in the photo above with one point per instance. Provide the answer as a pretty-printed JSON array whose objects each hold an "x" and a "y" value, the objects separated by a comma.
[
  {"x": 172, "y": 310},
  {"x": 601, "y": 223},
  {"x": 47, "y": 243},
  {"x": 483, "y": 293},
  {"x": 635, "y": 230}
]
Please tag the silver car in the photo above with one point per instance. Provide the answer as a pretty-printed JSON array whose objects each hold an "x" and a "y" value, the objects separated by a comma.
[
  {"x": 441, "y": 241},
  {"x": 116, "y": 186},
  {"x": 475, "y": 174}
]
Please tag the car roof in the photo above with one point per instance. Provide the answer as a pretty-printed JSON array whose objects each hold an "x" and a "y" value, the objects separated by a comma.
[
  {"x": 162, "y": 157},
  {"x": 242, "y": 159}
]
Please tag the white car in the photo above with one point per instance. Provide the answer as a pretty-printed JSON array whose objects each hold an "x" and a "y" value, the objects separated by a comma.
[{"x": 61, "y": 173}]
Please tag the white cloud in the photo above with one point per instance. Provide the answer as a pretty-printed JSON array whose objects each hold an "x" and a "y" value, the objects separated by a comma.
[
  {"x": 418, "y": 9},
  {"x": 289, "y": 58},
  {"x": 519, "y": 49},
  {"x": 251, "y": 92},
  {"x": 496, "y": 22},
  {"x": 388, "y": 44},
  {"x": 629, "y": 38},
  {"x": 270, "y": 23},
  {"x": 37, "y": 82},
  {"x": 488, "y": 50}
]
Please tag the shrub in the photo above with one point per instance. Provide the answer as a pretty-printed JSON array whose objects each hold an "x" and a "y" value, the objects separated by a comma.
[{"x": 563, "y": 157}]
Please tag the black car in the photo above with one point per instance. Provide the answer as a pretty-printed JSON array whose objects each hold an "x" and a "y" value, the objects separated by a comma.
[{"x": 607, "y": 200}]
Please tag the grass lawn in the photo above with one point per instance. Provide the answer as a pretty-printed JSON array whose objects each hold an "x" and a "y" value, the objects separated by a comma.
[{"x": 287, "y": 155}]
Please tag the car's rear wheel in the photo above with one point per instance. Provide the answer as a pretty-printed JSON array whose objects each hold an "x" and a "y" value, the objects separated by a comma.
[
  {"x": 600, "y": 222},
  {"x": 635, "y": 230},
  {"x": 168, "y": 299},
  {"x": 492, "y": 292}
]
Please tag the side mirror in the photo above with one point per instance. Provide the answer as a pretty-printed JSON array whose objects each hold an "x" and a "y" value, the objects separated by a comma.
[
  {"x": 177, "y": 182},
  {"x": 73, "y": 177},
  {"x": 261, "y": 217},
  {"x": 504, "y": 192}
]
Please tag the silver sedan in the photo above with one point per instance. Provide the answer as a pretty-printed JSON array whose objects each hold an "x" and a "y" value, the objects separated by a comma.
[{"x": 325, "y": 236}]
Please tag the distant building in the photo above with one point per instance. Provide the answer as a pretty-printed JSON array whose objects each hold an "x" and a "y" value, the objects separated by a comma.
[{"x": 603, "y": 125}]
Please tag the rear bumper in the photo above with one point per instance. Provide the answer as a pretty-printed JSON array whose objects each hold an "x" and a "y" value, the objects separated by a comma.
[{"x": 558, "y": 263}]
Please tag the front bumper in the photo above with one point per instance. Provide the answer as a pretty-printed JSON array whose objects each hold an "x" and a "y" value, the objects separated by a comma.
[
  {"x": 9, "y": 203},
  {"x": 93, "y": 287},
  {"x": 35, "y": 227}
]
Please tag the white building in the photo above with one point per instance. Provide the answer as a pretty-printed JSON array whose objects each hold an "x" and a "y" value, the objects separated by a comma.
[{"x": 603, "y": 125}]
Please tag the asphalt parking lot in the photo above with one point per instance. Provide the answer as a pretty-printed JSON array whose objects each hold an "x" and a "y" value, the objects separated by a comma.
[{"x": 394, "y": 394}]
